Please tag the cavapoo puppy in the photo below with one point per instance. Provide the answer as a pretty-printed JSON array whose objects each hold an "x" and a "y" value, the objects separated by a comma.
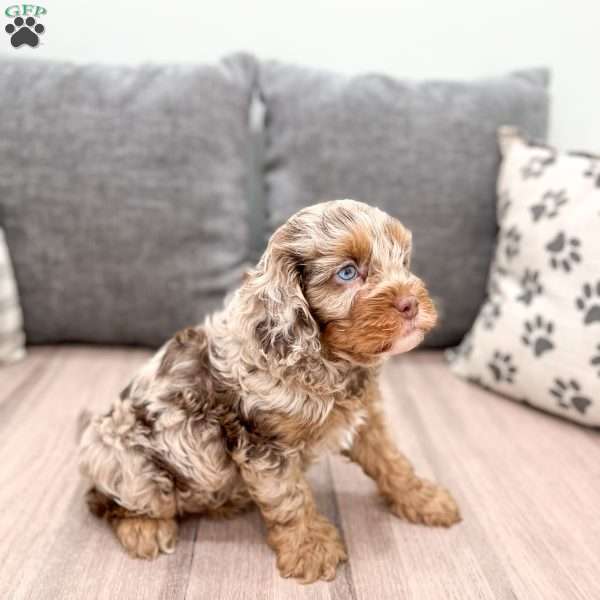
[{"x": 233, "y": 411}]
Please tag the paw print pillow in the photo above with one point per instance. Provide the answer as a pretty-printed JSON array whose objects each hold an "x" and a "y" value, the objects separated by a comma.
[{"x": 537, "y": 336}]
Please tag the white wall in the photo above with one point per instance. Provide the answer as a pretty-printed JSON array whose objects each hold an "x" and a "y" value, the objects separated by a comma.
[{"x": 420, "y": 38}]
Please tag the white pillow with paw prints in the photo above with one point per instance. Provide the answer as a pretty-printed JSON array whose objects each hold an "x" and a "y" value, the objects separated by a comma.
[
  {"x": 12, "y": 338},
  {"x": 537, "y": 336}
]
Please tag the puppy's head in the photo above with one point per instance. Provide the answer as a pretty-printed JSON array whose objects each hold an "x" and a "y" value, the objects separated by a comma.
[{"x": 336, "y": 277}]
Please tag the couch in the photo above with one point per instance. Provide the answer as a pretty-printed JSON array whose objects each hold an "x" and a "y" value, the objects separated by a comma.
[{"x": 119, "y": 239}]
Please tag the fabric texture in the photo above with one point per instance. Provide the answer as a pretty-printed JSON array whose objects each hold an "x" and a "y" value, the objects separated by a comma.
[
  {"x": 122, "y": 194},
  {"x": 12, "y": 339},
  {"x": 423, "y": 151},
  {"x": 537, "y": 336}
]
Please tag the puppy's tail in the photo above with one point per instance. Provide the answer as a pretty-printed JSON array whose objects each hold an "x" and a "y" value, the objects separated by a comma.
[{"x": 83, "y": 420}]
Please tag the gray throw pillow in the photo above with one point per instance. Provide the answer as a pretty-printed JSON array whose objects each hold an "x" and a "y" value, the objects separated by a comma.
[
  {"x": 424, "y": 152},
  {"x": 122, "y": 194}
]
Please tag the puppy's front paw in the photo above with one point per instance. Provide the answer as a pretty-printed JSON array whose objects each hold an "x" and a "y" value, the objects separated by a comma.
[
  {"x": 144, "y": 537},
  {"x": 428, "y": 504},
  {"x": 310, "y": 551}
]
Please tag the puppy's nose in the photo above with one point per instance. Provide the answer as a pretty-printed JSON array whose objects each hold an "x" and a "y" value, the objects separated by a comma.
[{"x": 408, "y": 306}]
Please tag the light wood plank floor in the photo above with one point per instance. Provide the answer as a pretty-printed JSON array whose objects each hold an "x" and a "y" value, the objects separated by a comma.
[{"x": 528, "y": 485}]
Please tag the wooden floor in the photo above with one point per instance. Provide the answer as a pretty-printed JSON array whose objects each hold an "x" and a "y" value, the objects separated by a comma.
[{"x": 528, "y": 485}]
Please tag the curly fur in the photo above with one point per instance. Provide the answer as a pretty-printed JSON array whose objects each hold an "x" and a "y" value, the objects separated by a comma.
[{"x": 233, "y": 411}]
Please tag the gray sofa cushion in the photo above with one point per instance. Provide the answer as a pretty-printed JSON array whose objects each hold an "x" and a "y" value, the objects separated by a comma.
[
  {"x": 425, "y": 152},
  {"x": 122, "y": 194}
]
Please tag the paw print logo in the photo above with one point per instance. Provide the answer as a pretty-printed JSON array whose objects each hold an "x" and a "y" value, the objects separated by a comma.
[
  {"x": 537, "y": 335},
  {"x": 490, "y": 313},
  {"x": 530, "y": 287},
  {"x": 537, "y": 165},
  {"x": 549, "y": 205},
  {"x": 24, "y": 32},
  {"x": 512, "y": 242},
  {"x": 564, "y": 252},
  {"x": 502, "y": 368},
  {"x": 568, "y": 395},
  {"x": 595, "y": 360},
  {"x": 589, "y": 303}
]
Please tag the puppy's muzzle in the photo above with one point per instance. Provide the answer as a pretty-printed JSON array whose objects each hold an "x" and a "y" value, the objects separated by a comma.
[{"x": 407, "y": 306}]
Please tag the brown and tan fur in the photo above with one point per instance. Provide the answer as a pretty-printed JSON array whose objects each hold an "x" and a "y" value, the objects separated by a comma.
[{"x": 232, "y": 412}]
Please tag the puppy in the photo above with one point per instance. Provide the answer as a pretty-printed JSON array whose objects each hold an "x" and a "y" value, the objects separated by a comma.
[{"x": 232, "y": 412}]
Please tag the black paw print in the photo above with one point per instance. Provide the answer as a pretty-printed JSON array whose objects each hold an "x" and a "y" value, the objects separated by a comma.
[
  {"x": 537, "y": 165},
  {"x": 24, "y": 32},
  {"x": 502, "y": 367},
  {"x": 595, "y": 360},
  {"x": 589, "y": 303},
  {"x": 568, "y": 395},
  {"x": 512, "y": 241},
  {"x": 490, "y": 313},
  {"x": 530, "y": 287},
  {"x": 549, "y": 205},
  {"x": 537, "y": 335},
  {"x": 564, "y": 251},
  {"x": 593, "y": 171}
]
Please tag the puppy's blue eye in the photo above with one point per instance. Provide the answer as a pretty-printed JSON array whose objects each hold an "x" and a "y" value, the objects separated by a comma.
[{"x": 348, "y": 273}]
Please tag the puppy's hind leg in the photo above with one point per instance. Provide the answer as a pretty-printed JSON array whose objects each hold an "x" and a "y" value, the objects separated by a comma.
[
  {"x": 131, "y": 491},
  {"x": 141, "y": 535}
]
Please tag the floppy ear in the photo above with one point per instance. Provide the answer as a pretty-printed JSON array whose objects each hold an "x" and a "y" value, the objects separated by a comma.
[{"x": 277, "y": 315}]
